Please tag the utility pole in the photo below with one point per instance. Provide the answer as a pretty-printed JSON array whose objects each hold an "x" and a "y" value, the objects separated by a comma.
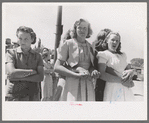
[{"x": 59, "y": 30}]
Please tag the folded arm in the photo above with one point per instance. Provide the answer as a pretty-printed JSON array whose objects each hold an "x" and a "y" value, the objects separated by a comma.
[
  {"x": 24, "y": 74},
  {"x": 14, "y": 73},
  {"x": 112, "y": 75},
  {"x": 106, "y": 76},
  {"x": 59, "y": 68},
  {"x": 36, "y": 77}
]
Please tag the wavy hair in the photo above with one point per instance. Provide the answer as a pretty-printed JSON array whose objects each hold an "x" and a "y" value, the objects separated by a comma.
[
  {"x": 105, "y": 44},
  {"x": 77, "y": 23},
  {"x": 67, "y": 35},
  {"x": 101, "y": 40},
  {"x": 27, "y": 30}
]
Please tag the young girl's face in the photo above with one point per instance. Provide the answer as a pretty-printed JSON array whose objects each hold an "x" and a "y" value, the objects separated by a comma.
[
  {"x": 24, "y": 40},
  {"x": 82, "y": 30},
  {"x": 113, "y": 42},
  {"x": 46, "y": 55}
]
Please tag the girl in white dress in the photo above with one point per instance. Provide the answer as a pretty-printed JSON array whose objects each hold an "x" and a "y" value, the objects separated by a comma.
[{"x": 118, "y": 87}]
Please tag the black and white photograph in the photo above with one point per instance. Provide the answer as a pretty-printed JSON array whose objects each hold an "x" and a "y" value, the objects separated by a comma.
[{"x": 74, "y": 61}]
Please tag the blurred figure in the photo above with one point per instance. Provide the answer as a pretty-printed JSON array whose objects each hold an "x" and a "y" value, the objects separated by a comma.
[
  {"x": 60, "y": 82},
  {"x": 52, "y": 53},
  {"x": 100, "y": 84},
  {"x": 39, "y": 47},
  {"x": 47, "y": 83},
  {"x": 68, "y": 35},
  {"x": 8, "y": 44},
  {"x": 15, "y": 44}
]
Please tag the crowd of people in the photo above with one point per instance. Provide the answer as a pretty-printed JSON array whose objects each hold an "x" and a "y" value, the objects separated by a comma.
[{"x": 81, "y": 72}]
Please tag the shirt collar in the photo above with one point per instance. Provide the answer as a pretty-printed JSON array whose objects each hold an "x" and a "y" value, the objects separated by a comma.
[
  {"x": 81, "y": 44},
  {"x": 19, "y": 50}
]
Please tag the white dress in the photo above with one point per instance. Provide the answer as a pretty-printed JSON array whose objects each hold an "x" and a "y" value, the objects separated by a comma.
[
  {"x": 115, "y": 91},
  {"x": 47, "y": 83}
]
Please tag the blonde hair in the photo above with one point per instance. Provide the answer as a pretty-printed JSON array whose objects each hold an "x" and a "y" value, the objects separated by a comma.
[
  {"x": 105, "y": 44},
  {"x": 77, "y": 23}
]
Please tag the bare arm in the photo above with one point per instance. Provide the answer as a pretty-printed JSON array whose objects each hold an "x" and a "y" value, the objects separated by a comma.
[
  {"x": 33, "y": 78},
  {"x": 126, "y": 79},
  {"x": 14, "y": 73},
  {"x": 59, "y": 68},
  {"x": 106, "y": 76},
  {"x": 36, "y": 77}
]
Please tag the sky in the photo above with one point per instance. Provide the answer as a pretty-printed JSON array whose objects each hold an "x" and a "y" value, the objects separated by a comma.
[{"x": 129, "y": 19}]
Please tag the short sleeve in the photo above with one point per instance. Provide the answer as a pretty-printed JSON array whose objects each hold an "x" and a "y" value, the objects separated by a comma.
[
  {"x": 62, "y": 52},
  {"x": 102, "y": 57},
  {"x": 124, "y": 56},
  {"x": 40, "y": 61},
  {"x": 10, "y": 57}
]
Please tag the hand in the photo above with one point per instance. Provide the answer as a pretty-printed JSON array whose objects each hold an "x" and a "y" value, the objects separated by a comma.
[
  {"x": 127, "y": 75},
  {"x": 34, "y": 72},
  {"x": 84, "y": 74},
  {"x": 95, "y": 74},
  {"x": 80, "y": 69}
]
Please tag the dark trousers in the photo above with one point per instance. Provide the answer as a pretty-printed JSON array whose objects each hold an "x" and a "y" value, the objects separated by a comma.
[{"x": 99, "y": 89}]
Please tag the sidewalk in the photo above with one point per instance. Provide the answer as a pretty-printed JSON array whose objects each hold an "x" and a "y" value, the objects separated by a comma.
[{"x": 138, "y": 90}]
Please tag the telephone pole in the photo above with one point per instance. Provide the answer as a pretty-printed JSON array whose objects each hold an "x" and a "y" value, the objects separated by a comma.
[{"x": 59, "y": 30}]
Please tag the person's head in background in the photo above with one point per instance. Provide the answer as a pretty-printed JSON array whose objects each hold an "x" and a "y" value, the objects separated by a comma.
[
  {"x": 52, "y": 53},
  {"x": 15, "y": 44},
  {"x": 68, "y": 35},
  {"x": 97, "y": 44},
  {"x": 26, "y": 37},
  {"x": 81, "y": 29},
  {"x": 45, "y": 54},
  {"x": 8, "y": 43},
  {"x": 52, "y": 60}
]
